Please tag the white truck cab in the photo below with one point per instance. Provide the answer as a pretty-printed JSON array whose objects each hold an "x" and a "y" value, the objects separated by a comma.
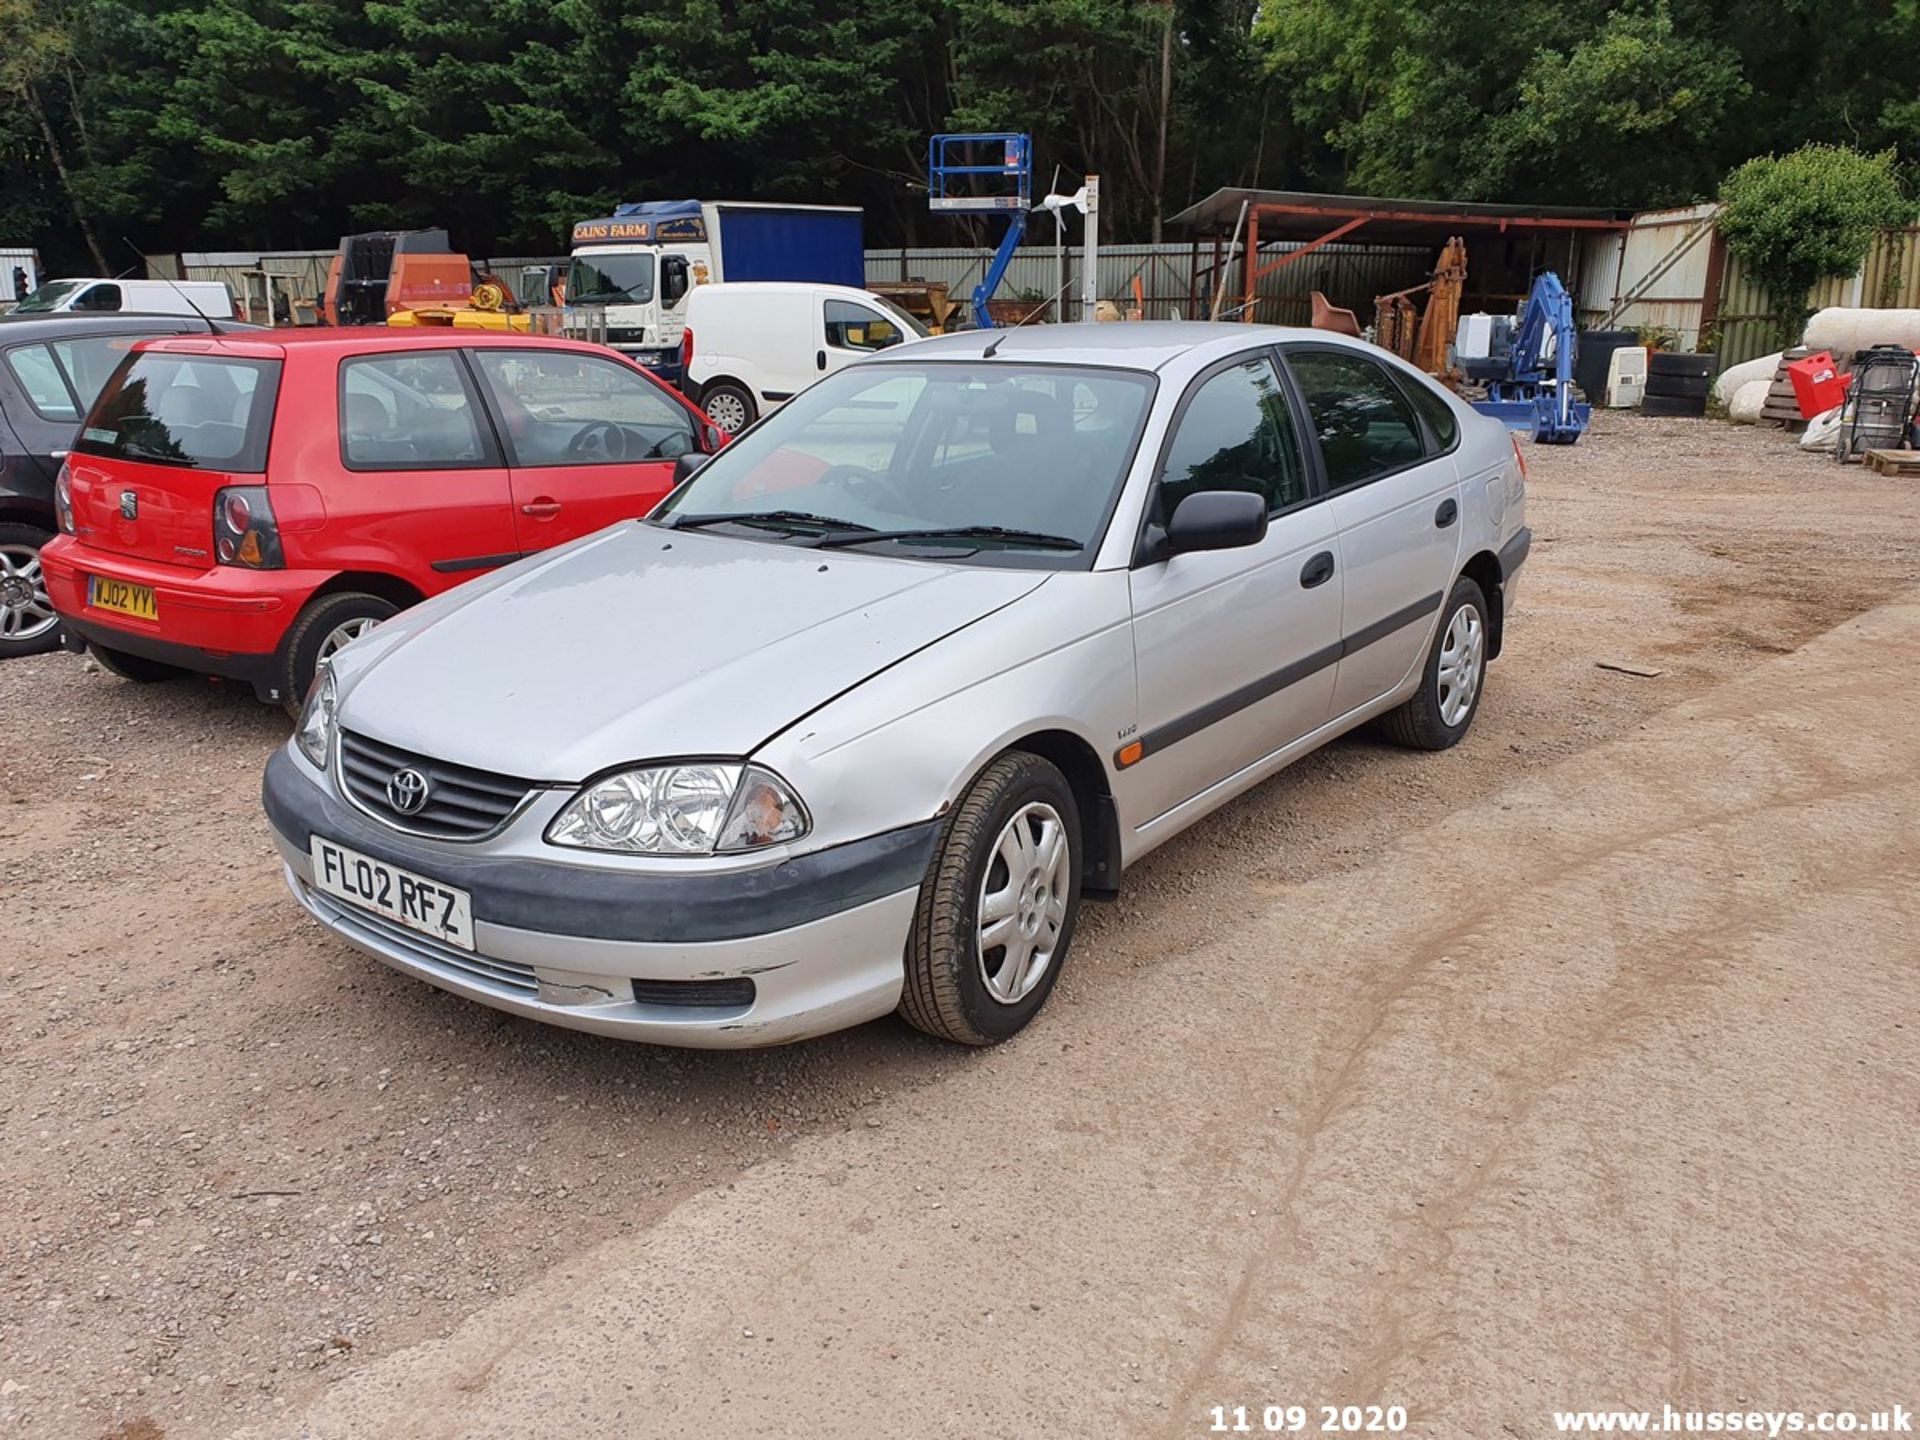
[
  {"x": 641, "y": 263},
  {"x": 751, "y": 346}
]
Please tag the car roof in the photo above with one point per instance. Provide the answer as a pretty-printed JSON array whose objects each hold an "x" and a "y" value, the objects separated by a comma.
[
  {"x": 1134, "y": 345},
  {"x": 25, "y": 329},
  {"x": 262, "y": 342}
]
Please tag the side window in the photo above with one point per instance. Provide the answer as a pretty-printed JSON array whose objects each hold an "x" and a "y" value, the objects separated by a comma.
[
  {"x": 1435, "y": 410},
  {"x": 1364, "y": 423},
  {"x": 407, "y": 412},
  {"x": 1236, "y": 433},
  {"x": 855, "y": 327},
  {"x": 99, "y": 297},
  {"x": 566, "y": 408},
  {"x": 91, "y": 361},
  {"x": 33, "y": 366}
]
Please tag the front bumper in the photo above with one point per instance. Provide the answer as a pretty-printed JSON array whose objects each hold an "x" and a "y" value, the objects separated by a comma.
[{"x": 829, "y": 956}]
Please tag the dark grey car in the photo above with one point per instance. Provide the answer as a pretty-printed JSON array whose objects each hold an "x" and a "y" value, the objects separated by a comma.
[{"x": 51, "y": 368}]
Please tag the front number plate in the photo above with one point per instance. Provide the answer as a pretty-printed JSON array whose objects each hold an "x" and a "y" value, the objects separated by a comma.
[
  {"x": 399, "y": 895},
  {"x": 122, "y": 598}
]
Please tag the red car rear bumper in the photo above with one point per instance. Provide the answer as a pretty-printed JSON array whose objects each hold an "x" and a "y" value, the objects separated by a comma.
[{"x": 225, "y": 620}]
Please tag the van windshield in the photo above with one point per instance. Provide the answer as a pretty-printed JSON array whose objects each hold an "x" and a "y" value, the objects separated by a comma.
[
  {"x": 47, "y": 296},
  {"x": 197, "y": 411},
  {"x": 610, "y": 280}
]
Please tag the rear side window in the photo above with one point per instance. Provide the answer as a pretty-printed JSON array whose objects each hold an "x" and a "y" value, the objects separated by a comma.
[
  {"x": 199, "y": 411},
  {"x": 408, "y": 412},
  {"x": 34, "y": 368},
  {"x": 1435, "y": 411},
  {"x": 1365, "y": 426},
  {"x": 90, "y": 362}
]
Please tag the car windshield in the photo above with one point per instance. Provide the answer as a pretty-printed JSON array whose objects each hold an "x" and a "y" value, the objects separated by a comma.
[
  {"x": 981, "y": 461},
  {"x": 47, "y": 296},
  {"x": 611, "y": 280}
]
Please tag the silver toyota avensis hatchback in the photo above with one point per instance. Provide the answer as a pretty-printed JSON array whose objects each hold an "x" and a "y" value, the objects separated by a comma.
[{"x": 856, "y": 719}]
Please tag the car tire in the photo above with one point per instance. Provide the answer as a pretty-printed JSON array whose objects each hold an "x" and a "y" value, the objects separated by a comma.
[
  {"x": 1436, "y": 718},
  {"x": 322, "y": 628},
  {"x": 958, "y": 987},
  {"x": 28, "y": 625},
  {"x": 729, "y": 406},
  {"x": 136, "y": 668}
]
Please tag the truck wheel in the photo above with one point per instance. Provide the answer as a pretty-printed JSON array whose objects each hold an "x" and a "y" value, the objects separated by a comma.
[
  {"x": 997, "y": 906},
  {"x": 28, "y": 625},
  {"x": 323, "y": 627},
  {"x": 730, "y": 406}
]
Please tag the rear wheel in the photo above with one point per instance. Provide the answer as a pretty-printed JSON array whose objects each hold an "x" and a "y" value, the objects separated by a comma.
[
  {"x": 1449, "y": 695},
  {"x": 28, "y": 625},
  {"x": 134, "y": 667},
  {"x": 325, "y": 627},
  {"x": 997, "y": 907},
  {"x": 729, "y": 406}
]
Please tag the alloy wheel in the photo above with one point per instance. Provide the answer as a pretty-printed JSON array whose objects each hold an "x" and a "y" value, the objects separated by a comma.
[
  {"x": 1463, "y": 660},
  {"x": 1023, "y": 902},
  {"x": 25, "y": 611},
  {"x": 341, "y": 635}
]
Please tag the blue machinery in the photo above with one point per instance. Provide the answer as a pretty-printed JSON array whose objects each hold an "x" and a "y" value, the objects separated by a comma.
[
  {"x": 958, "y": 181},
  {"x": 1526, "y": 397}
]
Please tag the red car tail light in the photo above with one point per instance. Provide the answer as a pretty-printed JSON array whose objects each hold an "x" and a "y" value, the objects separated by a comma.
[
  {"x": 244, "y": 532},
  {"x": 63, "y": 499},
  {"x": 686, "y": 350}
]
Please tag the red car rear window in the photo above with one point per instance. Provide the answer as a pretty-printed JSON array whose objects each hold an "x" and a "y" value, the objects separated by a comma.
[{"x": 204, "y": 412}]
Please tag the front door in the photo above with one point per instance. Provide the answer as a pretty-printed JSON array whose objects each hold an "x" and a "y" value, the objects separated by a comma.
[
  {"x": 850, "y": 331},
  {"x": 1396, "y": 501},
  {"x": 1234, "y": 649},
  {"x": 591, "y": 440}
]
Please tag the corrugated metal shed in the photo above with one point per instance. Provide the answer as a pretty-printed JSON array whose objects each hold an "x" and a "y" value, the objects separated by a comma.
[{"x": 1657, "y": 273}]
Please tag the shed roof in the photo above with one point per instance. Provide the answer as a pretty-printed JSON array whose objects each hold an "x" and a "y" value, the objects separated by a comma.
[{"x": 1302, "y": 215}]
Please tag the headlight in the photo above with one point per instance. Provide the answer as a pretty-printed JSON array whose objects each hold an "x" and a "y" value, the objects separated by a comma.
[
  {"x": 314, "y": 735},
  {"x": 694, "y": 809}
]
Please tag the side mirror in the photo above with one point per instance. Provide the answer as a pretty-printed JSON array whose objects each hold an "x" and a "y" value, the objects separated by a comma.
[
  {"x": 1217, "y": 520},
  {"x": 712, "y": 437},
  {"x": 684, "y": 467}
]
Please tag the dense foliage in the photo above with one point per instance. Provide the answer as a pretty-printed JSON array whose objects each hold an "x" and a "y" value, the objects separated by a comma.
[
  {"x": 1799, "y": 218},
  {"x": 206, "y": 124}
]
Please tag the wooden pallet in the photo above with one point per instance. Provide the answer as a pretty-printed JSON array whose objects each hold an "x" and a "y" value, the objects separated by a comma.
[{"x": 1893, "y": 462}]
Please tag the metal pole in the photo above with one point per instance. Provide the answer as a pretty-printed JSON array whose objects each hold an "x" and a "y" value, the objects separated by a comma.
[
  {"x": 1222, "y": 265},
  {"x": 1090, "y": 280}
]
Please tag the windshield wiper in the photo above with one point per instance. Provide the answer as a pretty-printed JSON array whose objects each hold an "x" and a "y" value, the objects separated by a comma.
[
  {"x": 1034, "y": 539},
  {"x": 788, "y": 520}
]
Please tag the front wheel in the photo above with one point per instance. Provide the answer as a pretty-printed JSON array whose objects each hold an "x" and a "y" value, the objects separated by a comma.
[
  {"x": 1456, "y": 670},
  {"x": 322, "y": 629},
  {"x": 997, "y": 907}
]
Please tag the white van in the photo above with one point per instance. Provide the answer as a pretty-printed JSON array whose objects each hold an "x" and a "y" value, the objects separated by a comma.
[
  {"x": 750, "y": 346},
  {"x": 208, "y": 298}
]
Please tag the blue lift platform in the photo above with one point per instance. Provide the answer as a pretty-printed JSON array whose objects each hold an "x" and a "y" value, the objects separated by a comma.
[{"x": 984, "y": 173}]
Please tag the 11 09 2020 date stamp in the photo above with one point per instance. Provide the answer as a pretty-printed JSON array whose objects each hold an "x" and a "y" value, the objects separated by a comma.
[{"x": 1306, "y": 1419}]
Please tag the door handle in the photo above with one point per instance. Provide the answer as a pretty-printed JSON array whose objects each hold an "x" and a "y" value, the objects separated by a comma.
[
  {"x": 1317, "y": 571},
  {"x": 1448, "y": 512},
  {"x": 541, "y": 509},
  {"x": 819, "y": 359}
]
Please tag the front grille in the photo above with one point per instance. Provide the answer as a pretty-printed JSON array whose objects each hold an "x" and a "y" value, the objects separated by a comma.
[
  {"x": 462, "y": 803},
  {"x": 424, "y": 950}
]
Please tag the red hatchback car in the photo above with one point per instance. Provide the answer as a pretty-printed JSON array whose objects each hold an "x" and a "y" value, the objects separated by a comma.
[{"x": 244, "y": 505}]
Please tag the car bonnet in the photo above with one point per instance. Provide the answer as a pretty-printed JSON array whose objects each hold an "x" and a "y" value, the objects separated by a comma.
[{"x": 645, "y": 643}]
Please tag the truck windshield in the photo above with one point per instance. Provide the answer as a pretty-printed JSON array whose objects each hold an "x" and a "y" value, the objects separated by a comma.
[{"x": 610, "y": 280}]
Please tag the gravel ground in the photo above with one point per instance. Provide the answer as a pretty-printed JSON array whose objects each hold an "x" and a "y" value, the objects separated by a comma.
[{"x": 243, "y": 1162}]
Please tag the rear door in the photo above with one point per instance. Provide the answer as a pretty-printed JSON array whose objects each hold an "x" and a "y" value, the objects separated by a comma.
[
  {"x": 422, "y": 485},
  {"x": 1234, "y": 649},
  {"x": 591, "y": 440},
  {"x": 1396, "y": 500}
]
